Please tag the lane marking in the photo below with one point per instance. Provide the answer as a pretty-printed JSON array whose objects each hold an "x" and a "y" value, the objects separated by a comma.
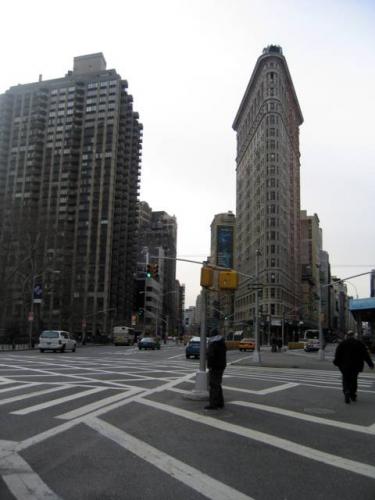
[
  {"x": 191, "y": 477},
  {"x": 55, "y": 402},
  {"x": 177, "y": 356},
  {"x": 18, "y": 387},
  {"x": 268, "y": 439},
  {"x": 33, "y": 394},
  {"x": 98, "y": 404},
  {"x": 306, "y": 417},
  {"x": 56, "y": 374},
  {"x": 263, "y": 392},
  {"x": 260, "y": 392}
]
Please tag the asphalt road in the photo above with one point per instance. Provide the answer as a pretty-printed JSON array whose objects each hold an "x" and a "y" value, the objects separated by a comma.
[{"x": 118, "y": 423}]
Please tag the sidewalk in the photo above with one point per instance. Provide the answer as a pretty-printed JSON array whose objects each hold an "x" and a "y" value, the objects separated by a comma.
[{"x": 296, "y": 358}]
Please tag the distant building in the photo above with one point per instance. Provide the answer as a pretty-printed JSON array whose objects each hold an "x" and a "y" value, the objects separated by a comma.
[
  {"x": 158, "y": 230},
  {"x": 268, "y": 193},
  {"x": 311, "y": 245},
  {"x": 190, "y": 321},
  {"x": 70, "y": 152},
  {"x": 220, "y": 304}
]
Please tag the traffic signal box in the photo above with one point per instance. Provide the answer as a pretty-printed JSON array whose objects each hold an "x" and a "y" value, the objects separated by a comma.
[
  {"x": 228, "y": 280},
  {"x": 152, "y": 271},
  {"x": 207, "y": 276},
  {"x": 155, "y": 271}
]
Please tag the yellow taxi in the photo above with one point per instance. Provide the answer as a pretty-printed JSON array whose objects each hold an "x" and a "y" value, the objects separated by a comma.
[{"x": 247, "y": 345}]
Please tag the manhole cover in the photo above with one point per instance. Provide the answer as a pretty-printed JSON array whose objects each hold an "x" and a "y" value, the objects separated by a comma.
[{"x": 319, "y": 411}]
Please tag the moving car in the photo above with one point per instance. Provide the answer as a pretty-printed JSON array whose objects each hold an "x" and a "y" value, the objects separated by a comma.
[
  {"x": 247, "y": 345},
  {"x": 149, "y": 343},
  {"x": 193, "y": 348},
  {"x": 56, "y": 340},
  {"x": 123, "y": 335},
  {"x": 312, "y": 345}
]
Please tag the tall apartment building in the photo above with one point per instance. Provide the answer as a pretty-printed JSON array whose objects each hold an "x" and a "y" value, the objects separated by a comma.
[
  {"x": 70, "y": 153},
  {"x": 268, "y": 192}
]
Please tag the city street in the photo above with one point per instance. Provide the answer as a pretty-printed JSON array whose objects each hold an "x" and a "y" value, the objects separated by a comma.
[{"x": 111, "y": 422}]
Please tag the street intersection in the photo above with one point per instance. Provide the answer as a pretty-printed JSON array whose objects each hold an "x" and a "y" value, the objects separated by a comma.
[{"x": 109, "y": 422}]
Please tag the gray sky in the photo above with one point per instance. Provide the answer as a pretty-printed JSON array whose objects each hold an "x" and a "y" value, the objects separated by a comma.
[{"x": 188, "y": 63}]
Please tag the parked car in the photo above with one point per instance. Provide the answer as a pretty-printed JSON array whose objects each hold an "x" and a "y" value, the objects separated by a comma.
[
  {"x": 56, "y": 340},
  {"x": 149, "y": 343},
  {"x": 247, "y": 345},
  {"x": 193, "y": 348}
]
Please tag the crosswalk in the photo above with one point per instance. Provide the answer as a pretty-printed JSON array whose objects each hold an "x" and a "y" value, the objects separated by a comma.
[
  {"x": 114, "y": 379},
  {"x": 68, "y": 391}
]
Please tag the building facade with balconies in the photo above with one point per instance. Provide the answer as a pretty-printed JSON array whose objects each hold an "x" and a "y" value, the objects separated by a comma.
[{"x": 70, "y": 153}]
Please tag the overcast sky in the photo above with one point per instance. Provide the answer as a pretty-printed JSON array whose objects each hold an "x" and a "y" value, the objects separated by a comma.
[{"x": 188, "y": 64}]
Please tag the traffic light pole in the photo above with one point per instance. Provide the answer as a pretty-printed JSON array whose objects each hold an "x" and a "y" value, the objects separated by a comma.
[
  {"x": 144, "y": 295},
  {"x": 200, "y": 391}
]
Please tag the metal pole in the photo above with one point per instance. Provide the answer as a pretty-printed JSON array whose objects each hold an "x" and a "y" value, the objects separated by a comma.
[
  {"x": 256, "y": 355},
  {"x": 321, "y": 340},
  {"x": 31, "y": 319},
  {"x": 144, "y": 296},
  {"x": 200, "y": 391}
]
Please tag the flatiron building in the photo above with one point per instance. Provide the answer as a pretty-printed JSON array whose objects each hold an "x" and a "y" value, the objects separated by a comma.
[{"x": 267, "y": 249}]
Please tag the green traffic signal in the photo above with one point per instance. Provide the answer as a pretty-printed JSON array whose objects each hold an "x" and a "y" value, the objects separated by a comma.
[{"x": 148, "y": 271}]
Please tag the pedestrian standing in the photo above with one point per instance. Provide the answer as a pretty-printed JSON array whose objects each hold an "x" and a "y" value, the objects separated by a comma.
[
  {"x": 350, "y": 356},
  {"x": 216, "y": 363}
]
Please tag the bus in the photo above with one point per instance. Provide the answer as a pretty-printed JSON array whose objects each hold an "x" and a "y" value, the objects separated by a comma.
[{"x": 123, "y": 335}]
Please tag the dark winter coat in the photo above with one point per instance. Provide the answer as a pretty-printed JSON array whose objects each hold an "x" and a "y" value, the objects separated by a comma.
[
  {"x": 216, "y": 353},
  {"x": 351, "y": 354}
]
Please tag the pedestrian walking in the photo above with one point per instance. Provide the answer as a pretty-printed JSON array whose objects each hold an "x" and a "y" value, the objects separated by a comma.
[
  {"x": 216, "y": 363},
  {"x": 279, "y": 344},
  {"x": 273, "y": 344},
  {"x": 350, "y": 356}
]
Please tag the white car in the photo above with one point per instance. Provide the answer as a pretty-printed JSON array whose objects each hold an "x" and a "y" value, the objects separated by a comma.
[
  {"x": 56, "y": 340},
  {"x": 312, "y": 345}
]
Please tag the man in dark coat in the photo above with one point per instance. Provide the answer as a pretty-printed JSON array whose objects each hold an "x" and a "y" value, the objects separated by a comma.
[
  {"x": 349, "y": 357},
  {"x": 216, "y": 363}
]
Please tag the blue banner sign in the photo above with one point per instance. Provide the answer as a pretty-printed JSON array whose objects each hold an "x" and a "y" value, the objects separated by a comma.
[{"x": 224, "y": 249}]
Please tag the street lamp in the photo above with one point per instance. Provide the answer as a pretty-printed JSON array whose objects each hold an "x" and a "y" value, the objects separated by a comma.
[
  {"x": 34, "y": 299},
  {"x": 157, "y": 314}
]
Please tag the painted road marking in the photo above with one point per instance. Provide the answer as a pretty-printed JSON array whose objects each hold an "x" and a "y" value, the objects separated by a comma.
[
  {"x": 268, "y": 439},
  {"x": 98, "y": 404},
  {"x": 33, "y": 394},
  {"x": 22, "y": 481},
  {"x": 18, "y": 387},
  {"x": 306, "y": 417},
  {"x": 55, "y": 402},
  {"x": 193, "y": 478}
]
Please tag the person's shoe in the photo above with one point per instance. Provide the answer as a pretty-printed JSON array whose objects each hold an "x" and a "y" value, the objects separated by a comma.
[
  {"x": 210, "y": 407},
  {"x": 353, "y": 397},
  {"x": 347, "y": 398},
  {"x": 220, "y": 406}
]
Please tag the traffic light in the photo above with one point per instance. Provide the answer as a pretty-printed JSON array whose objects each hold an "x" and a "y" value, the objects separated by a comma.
[
  {"x": 148, "y": 271},
  {"x": 155, "y": 271},
  {"x": 207, "y": 276}
]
